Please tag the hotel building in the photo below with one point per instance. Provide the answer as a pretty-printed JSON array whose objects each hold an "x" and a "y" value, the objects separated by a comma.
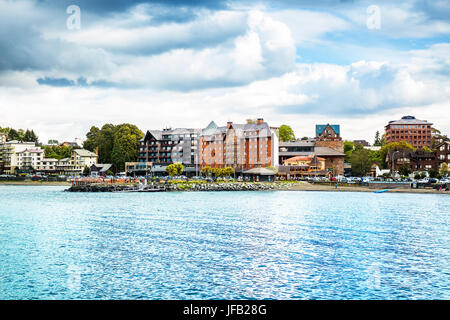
[
  {"x": 411, "y": 130},
  {"x": 240, "y": 146}
]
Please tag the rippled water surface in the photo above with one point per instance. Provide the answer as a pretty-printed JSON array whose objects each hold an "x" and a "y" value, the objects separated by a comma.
[{"x": 240, "y": 245}]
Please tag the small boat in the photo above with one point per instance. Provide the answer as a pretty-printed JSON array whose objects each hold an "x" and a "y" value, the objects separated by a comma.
[{"x": 381, "y": 191}]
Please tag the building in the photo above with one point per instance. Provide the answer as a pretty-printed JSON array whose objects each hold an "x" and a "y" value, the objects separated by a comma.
[
  {"x": 240, "y": 146},
  {"x": 170, "y": 146},
  {"x": 328, "y": 132},
  {"x": 100, "y": 170},
  {"x": 419, "y": 160},
  {"x": 443, "y": 153},
  {"x": 3, "y": 138},
  {"x": 9, "y": 159},
  {"x": 411, "y": 130},
  {"x": 301, "y": 166},
  {"x": 364, "y": 143},
  {"x": 81, "y": 158},
  {"x": 328, "y": 145},
  {"x": 159, "y": 148}
]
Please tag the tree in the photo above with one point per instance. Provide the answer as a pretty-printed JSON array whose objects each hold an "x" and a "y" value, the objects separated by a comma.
[
  {"x": 377, "y": 141},
  {"x": 105, "y": 143},
  {"x": 125, "y": 145},
  {"x": 286, "y": 133},
  {"x": 86, "y": 171},
  {"x": 426, "y": 149},
  {"x": 58, "y": 152},
  {"x": 175, "y": 169},
  {"x": 206, "y": 171},
  {"x": 404, "y": 169},
  {"x": 360, "y": 160},
  {"x": 30, "y": 136},
  {"x": 443, "y": 171},
  {"x": 390, "y": 148},
  {"x": 92, "y": 139},
  {"x": 348, "y": 149},
  {"x": 433, "y": 173}
]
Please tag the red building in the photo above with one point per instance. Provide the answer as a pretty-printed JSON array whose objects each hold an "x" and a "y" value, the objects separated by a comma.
[{"x": 411, "y": 130}]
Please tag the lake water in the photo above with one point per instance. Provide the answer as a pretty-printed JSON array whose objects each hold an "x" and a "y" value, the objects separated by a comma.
[{"x": 229, "y": 245}]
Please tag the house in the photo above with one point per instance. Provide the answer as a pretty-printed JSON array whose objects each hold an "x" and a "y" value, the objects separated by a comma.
[
  {"x": 328, "y": 132},
  {"x": 443, "y": 153},
  {"x": 301, "y": 166},
  {"x": 100, "y": 170}
]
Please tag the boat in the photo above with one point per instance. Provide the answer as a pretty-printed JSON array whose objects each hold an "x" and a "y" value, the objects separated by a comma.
[{"x": 381, "y": 191}]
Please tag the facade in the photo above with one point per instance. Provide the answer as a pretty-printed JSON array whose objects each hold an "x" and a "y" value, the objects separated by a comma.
[
  {"x": 419, "y": 160},
  {"x": 328, "y": 132},
  {"x": 411, "y": 130},
  {"x": 240, "y": 146},
  {"x": 328, "y": 145},
  {"x": 9, "y": 151},
  {"x": 443, "y": 153},
  {"x": 161, "y": 148},
  {"x": 301, "y": 166}
]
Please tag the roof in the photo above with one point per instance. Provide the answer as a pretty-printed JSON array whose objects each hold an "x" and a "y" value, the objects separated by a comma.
[
  {"x": 321, "y": 127},
  {"x": 84, "y": 153},
  {"x": 298, "y": 143},
  {"x": 32, "y": 151},
  {"x": 304, "y": 158},
  {"x": 326, "y": 151},
  {"x": 409, "y": 120},
  {"x": 260, "y": 171},
  {"x": 104, "y": 167}
]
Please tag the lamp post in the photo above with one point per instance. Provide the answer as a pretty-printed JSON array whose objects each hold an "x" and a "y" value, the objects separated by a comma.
[{"x": 393, "y": 159}]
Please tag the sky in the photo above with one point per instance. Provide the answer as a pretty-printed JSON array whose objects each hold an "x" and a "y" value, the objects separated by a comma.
[{"x": 178, "y": 63}]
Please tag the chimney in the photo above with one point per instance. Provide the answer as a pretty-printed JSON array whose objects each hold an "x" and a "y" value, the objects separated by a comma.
[
  {"x": 229, "y": 123},
  {"x": 260, "y": 121}
]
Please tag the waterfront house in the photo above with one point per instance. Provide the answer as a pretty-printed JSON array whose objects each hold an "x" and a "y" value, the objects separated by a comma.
[
  {"x": 9, "y": 159},
  {"x": 302, "y": 166},
  {"x": 100, "y": 170}
]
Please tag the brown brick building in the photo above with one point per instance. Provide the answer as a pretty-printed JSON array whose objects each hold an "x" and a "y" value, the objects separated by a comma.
[
  {"x": 241, "y": 146},
  {"x": 411, "y": 130}
]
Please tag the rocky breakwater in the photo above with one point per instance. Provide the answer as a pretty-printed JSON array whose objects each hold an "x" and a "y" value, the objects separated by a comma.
[
  {"x": 250, "y": 186},
  {"x": 185, "y": 186}
]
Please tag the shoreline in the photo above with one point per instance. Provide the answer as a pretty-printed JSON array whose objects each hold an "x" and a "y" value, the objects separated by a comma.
[{"x": 302, "y": 186}]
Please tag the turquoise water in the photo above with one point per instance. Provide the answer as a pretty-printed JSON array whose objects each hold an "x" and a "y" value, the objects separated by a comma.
[{"x": 229, "y": 245}]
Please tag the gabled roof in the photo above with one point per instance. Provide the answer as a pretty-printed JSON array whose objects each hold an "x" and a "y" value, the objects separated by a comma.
[
  {"x": 84, "y": 153},
  {"x": 104, "y": 167},
  {"x": 321, "y": 127}
]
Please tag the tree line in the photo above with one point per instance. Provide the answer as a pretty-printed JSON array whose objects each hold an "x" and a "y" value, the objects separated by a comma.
[
  {"x": 20, "y": 134},
  {"x": 116, "y": 144}
]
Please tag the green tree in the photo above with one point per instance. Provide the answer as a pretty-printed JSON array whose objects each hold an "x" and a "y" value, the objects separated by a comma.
[
  {"x": 105, "y": 143},
  {"x": 86, "y": 171},
  {"x": 443, "y": 170},
  {"x": 91, "y": 142},
  {"x": 58, "y": 152},
  {"x": 229, "y": 172},
  {"x": 125, "y": 145},
  {"x": 206, "y": 171},
  {"x": 404, "y": 169},
  {"x": 175, "y": 169},
  {"x": 348, "y": 149},
  {"x": 433, "y": 173},
  {"x": 30, "y": 136},
  {"x": 286, "y": 133},
  {"x": 375, "y": 158},
  {"x": 360, "y": 161},
  {"x": 392, "y": 147},
  {"x": 377, "y": 141},
  {"x": 426, "y": 149}
]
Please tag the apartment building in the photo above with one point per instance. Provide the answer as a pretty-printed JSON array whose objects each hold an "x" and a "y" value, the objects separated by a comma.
[
  {"x": 9, "y": 159},
  {"x": 241, "y": 146},
  {"x": 159, "y": 148},
  {"x": 411, "y": 130}
]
